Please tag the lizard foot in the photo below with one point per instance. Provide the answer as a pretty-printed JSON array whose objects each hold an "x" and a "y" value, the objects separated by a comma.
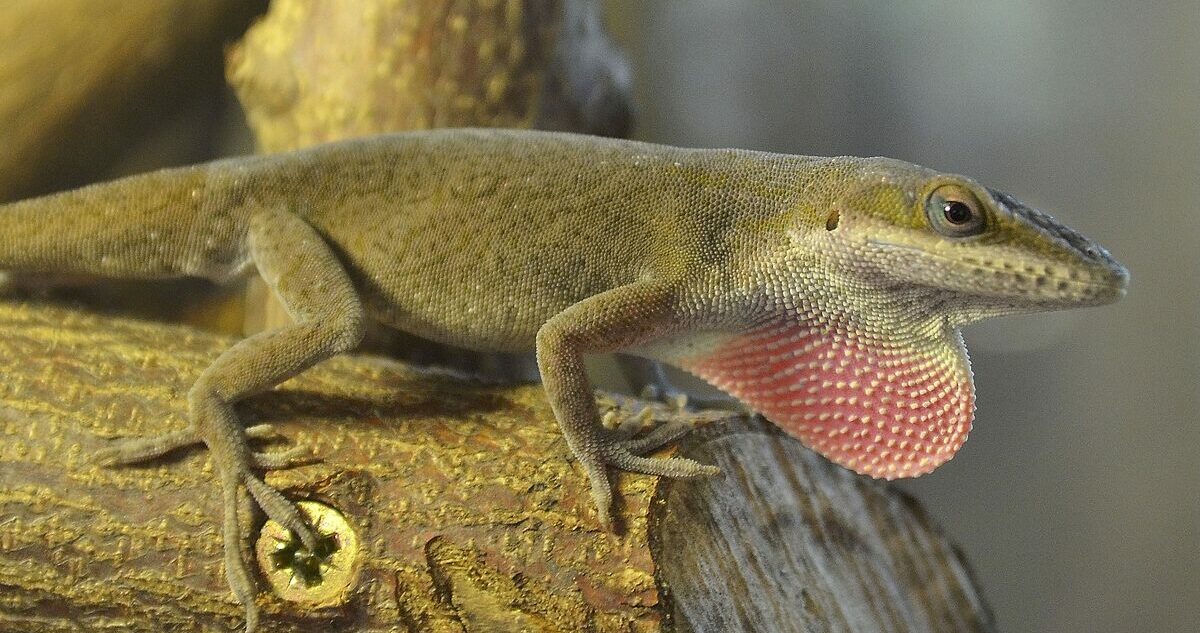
[
  {"x": 277, "y": 508},
  {"x": 615, "y": 449},
  {"x": 235, "y": 471}
]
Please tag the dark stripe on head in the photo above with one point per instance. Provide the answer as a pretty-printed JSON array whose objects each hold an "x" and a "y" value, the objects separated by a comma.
[{"x": 1044, "y": 221}]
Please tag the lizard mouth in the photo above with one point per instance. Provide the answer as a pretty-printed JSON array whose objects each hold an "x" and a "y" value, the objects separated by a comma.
[
  {"x": 1012, "y": 278},
  {"x": 1048, "y": 285}
]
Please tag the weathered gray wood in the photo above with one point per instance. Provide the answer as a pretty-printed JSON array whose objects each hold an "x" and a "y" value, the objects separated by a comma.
[{"x": 788, "y": 542}]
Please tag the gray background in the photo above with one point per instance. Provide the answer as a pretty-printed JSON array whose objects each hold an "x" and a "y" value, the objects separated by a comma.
[{"x": 1076, "y": 496}]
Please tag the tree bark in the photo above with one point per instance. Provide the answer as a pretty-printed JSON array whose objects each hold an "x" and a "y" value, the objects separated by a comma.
[
  {"x": 470, "y": 513},
  {"x": 312, "y": 71}
]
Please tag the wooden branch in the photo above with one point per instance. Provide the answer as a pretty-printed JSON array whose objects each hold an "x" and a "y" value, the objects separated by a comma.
[
  {"x": 470, "y": 512},
  {"x": 313, "y": 71}
]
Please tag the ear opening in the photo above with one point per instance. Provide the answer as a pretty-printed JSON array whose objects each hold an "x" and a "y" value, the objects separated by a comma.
[{"x": 831, "y": 222}]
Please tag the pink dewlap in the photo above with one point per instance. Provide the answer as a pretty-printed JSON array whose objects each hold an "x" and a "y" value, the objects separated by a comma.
[{"x": 881, "y": 410}]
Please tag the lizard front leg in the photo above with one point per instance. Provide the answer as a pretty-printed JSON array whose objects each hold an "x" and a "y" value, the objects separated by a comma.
[
  {"x": 328, "y": 318},
  {"x": 611, "y": 321}
]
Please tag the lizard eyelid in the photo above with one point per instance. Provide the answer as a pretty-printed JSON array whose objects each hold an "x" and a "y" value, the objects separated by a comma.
[{"x": 954, "y": 211}]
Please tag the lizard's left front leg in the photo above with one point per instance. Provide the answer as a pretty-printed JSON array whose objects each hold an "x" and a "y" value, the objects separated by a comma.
[
  {"x": 611, "y": 321},
  {"x": 316, "y": 291}
]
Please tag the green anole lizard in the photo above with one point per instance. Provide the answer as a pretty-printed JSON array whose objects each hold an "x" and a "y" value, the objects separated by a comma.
[{"x": 824, "y": 293}]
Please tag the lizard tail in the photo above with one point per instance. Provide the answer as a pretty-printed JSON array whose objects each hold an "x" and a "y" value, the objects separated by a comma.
[{"x": 170, "y": 223}]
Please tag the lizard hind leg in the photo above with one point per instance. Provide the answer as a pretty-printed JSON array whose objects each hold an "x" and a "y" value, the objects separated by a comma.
[{"x": 328, "y": 319}]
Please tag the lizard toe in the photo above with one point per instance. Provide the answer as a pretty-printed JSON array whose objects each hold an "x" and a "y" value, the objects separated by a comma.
[
  {"x": 280, "y": 510},
  {"x": 291, "y": 458},
  {"x": 132, "y": 451},
  {"x": 602, "y": 494},
  {"x": 674, "y": 467},
  {"x": 656, "y": 438},
  {"x": 237, "y": 573}
]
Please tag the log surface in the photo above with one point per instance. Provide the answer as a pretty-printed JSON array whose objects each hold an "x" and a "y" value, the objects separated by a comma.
[
  {"x": 471, "y": 513},
  {"x": 787, "y": 541}
]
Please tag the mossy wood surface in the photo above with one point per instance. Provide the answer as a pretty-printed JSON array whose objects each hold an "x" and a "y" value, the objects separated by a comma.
[{"x": 471, "y": 514}]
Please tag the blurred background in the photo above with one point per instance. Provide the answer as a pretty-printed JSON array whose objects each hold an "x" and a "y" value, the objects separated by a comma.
[{"x": 1076, "y": 497}]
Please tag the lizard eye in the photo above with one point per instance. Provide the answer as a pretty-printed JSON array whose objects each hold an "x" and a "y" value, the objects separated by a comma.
[{"x": 954, "y": 211}]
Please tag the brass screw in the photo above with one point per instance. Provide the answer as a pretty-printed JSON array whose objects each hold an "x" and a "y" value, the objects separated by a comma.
[{"x": 321, "y": 578}]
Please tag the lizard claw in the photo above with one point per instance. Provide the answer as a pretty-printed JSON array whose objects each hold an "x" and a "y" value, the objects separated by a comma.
[
  {"x": 602, "y": 494},
  {"x": 616, "y": 455},
  {"x": 618, "y": 448},
  {"x": 279, "y": 509},
  {"x": 236, "y": 571}
]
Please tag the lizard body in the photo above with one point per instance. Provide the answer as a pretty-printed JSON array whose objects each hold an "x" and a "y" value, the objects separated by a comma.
[{"x": 826, "y": 293}]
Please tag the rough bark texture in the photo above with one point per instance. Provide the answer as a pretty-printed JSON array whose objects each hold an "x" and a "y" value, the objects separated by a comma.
[
  {"x": 471, "y": 513},
  {"x": 787, "y": 541},
  {"x": 311, "y": 71},
  {"x": 467, "y": 503}
]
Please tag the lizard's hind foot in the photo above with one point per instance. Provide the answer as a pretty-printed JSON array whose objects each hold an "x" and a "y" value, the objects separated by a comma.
[
  {"x": 235, "y": 471},
  {"x": 611, "y": 450},
  {"x": 276, "y": 507}
]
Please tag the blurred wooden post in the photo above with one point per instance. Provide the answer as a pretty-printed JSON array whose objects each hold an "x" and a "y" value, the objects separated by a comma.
[{"x": 82, "y": 81}]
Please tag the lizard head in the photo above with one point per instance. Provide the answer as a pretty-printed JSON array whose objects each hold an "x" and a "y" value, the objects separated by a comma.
[
  {"x": 966, "y": 251},
  {"x": 866, "y": 364}
]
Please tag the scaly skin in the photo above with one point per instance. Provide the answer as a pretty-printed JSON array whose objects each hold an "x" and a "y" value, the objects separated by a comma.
[{"x": 826, "y": 293}]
